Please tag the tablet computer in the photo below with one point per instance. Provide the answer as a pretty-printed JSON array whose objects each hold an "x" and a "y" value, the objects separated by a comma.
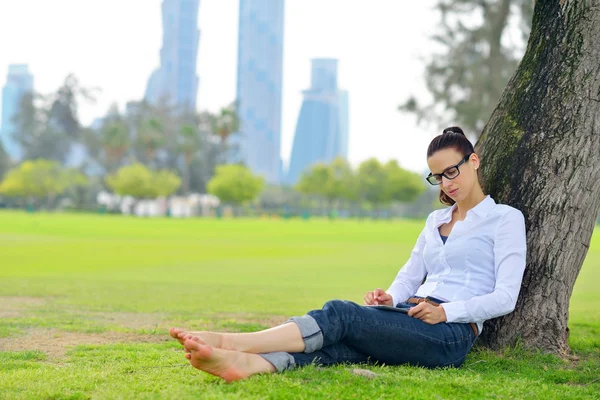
[{"x": 390, "y": 308}]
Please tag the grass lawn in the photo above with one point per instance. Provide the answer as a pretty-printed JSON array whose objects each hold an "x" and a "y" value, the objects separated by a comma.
[{"x": 86, "y": 301}]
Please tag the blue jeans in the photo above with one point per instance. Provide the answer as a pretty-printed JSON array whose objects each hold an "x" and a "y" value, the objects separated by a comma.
[{"x": 343, "y": 331}]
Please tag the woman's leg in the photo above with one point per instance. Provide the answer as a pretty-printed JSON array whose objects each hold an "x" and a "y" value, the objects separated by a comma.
[
  {"x": 286, "y": 337},
  {"x": 335, "y": 354},
  {"x": 235, "y": 365},
  {"x": 390, "y": 337},
  {"x": 226, "y": 364},
  {"x": 386, "y": 336}
]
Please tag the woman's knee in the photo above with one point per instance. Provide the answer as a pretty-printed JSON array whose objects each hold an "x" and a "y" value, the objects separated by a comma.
[{"x": 339, "y": 307}]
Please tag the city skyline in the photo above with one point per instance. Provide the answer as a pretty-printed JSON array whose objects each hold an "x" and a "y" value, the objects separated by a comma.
[
  {"x": 259, "y": 87},
  {"x": 380, "y": 63}
]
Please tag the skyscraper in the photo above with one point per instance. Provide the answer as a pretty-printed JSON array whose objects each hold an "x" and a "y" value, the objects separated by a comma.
[
  {"x": 322, "y": 127},
  {"x": 259, "y": 86},
  {"x": 18, "y": 82},
  {"x": 175, "y": 81}
]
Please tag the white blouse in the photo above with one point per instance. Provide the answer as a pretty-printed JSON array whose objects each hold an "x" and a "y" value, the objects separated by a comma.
[{"x": 479, "y": 269}]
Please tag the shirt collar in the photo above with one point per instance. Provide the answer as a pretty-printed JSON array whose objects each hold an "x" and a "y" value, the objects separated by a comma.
[{"x": 482, "y": 209}]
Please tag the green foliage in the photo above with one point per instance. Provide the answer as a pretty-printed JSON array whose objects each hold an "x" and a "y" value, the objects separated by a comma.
[
  {"x": 373, "y": 182},
  {"x": 4, "y": 161},
  {"x": 36, "y": 136},
  {"x": 478, "y": 55},
  {"x": 151, "y": 136},
  {"x": 235, "y": 184},
  {"x": 402, "y": 185},
  {"x": 189, "y": 142},
  {"x": 109, "y": 144},
  {"x": 315, "y": 180},
  {"x": 225, "y": 123},
  {"x": 335, "y": 181},
  {"x": 115, "y": 140},
  {"x": 138, "y": 181},
  {"x": 39, "y": 179},
  {"x": 165, "y": 183},
  {"x": 47, "y": 126},
  {"x": 372, "y": 179}
]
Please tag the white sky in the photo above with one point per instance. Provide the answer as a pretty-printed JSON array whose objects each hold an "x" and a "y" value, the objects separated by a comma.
[{"x": 114, "y": 45}]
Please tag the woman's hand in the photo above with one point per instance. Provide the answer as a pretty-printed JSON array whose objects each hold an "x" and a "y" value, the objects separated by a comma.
[
  {"x": 428, "y": 313},
  {"x": 378, "y": 297}
]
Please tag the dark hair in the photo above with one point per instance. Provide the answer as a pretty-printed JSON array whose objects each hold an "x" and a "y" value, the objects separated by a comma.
[{"x": 451, "y": 138}]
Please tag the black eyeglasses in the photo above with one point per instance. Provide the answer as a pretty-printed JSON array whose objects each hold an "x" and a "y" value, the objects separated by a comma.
[{"x": 449, "y": 173}]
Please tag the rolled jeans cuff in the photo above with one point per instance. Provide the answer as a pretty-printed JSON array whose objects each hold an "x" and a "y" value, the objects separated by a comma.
[
  {"x": 280, "y": 360},
  {"x": 310, "y": 331}
]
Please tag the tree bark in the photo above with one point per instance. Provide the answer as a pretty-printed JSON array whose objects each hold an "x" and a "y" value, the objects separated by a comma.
[{"x": 540, "y": 153}]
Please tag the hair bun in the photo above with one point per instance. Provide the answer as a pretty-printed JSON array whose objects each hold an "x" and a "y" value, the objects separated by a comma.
[{"x": 453, "y": 129}]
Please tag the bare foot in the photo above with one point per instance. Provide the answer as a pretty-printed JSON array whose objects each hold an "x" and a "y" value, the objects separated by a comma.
[
  {"x": 217, "y": 340},
  {"x": 226, "y": 364}
]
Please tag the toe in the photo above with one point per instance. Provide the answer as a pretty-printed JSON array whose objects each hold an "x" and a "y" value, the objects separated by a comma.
[{"x": 191, "y": 345}]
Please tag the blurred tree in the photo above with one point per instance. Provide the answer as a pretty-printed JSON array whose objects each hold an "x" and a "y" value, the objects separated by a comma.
[
  {"x": 189, "y": 143},
  {"x": 401, "y": 185},
  {"x": 138, "y": 181},
  {"x": 235, "y": 184},
  {"x": 132, "y": 180},
  {"x": 314, "y": 180},
  {"x": 333, "y": 182},
  {"x": 165, "y": 183},
  {"x": 5, "y": 161},
  {"x": 35, "y": 135},
  {"x": 481, "y": 42},
  {"x": 109, "y": 145},
  {"x": 63, "y": 113},
  {"x": 372, "y": 180},
  {"x": 115, "y": 142},
  {"x": 224, "y": 124},
  {"x": 343, "y": 184},
  {"x": 48, "y": 126},
  {"x": 150, "y": 138},
  {"x": 39, "y": 179}
]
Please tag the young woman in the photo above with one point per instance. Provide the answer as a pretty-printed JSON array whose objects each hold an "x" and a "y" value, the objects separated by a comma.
[{"x": 471, "y": 255}]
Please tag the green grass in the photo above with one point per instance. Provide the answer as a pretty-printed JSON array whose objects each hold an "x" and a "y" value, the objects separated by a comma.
[{"x": 85, "y": 303}]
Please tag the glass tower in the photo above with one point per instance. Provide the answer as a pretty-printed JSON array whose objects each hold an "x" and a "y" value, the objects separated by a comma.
[
  {"x": 259, "y": 87},
  {"x": 18, "y": 82},
  {"x": 175, "y": 81},
  {"x": 322, "y": 128}
]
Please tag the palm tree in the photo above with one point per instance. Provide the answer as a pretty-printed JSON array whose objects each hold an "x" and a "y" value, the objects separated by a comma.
[
  {"x": 189, "y": 142},
  {"x": 151, "y": 137},
  {"x": 224, "y": 124},
  {"x": 115, "y": 142}
]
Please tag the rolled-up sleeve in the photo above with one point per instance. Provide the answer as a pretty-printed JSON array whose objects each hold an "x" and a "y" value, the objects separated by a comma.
[
  {"x": 411, "y": 275},
  {"x": 510, "y": 249}
]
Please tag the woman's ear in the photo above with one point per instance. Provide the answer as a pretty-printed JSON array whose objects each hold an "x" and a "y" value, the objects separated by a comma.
[{"x": 475, "y": 161}]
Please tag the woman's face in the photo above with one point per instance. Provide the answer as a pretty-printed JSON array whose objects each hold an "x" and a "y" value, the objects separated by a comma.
[{"x": 458, "y": 188}]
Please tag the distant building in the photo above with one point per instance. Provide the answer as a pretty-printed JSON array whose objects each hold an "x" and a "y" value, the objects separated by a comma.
[
  {"x": 322, "y": 128},
  {"x": 175, "y": 81},
  {"x": 259, "y": 87},
  {"x": 18, "y": 82}
]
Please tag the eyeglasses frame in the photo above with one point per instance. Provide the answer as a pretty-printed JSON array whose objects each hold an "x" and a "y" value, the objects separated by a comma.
[{"x": 464, "y": 160}]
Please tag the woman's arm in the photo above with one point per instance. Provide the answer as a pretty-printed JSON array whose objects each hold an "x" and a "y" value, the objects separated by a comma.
[
  {"x": 411, "y": 275},
  {"x": 510, "y": 248}
]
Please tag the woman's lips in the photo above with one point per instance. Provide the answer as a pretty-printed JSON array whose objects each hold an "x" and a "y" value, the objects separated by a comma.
[{"x": 453, "y": 192}]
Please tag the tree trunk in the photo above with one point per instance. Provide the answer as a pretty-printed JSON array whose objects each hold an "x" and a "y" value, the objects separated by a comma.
[{"x": 540, "y": 153}]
